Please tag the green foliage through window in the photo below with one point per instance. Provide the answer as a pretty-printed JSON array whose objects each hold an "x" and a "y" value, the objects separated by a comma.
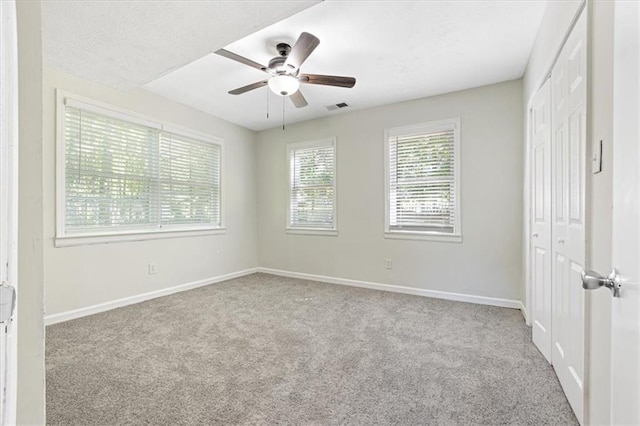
[
  {"x": 312, "y": 177},
  {"x": 422, "y": 181},
  {"x": 121, "y": 175}
]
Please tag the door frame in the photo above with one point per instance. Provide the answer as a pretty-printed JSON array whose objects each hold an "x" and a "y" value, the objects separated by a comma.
[
  {"x": 9, "y": 184},
  {"x": 625, "y": 316}
]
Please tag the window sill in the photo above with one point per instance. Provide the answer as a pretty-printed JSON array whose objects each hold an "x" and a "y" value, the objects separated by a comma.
[
  {"x": 83, "y": 240},
  {"x": 425, "y": 236},
  {"x": 313, "y": 231}
]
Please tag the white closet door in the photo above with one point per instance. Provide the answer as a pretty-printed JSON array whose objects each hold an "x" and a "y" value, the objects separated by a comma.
[
  {"x": 540, "y": 261},
  {"x": 568, "y": 118}
]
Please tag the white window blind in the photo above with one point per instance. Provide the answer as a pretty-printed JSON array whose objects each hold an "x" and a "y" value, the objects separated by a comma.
[
  {"x": 312, "y": 185},
  {"x": 422, "y": 183},
  {"x": 125, "y": 176},
  {"x": 109, "y": 172},
  {"x": 189, "y": 181}
]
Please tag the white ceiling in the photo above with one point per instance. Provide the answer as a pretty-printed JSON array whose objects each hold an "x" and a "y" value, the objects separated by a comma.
[
  {"x": 397, "y": 50},
  {"x": 125, "y": 44}
]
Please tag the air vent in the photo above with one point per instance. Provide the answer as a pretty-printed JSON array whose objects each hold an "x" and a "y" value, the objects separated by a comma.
[{"x": 337, "y": 106}]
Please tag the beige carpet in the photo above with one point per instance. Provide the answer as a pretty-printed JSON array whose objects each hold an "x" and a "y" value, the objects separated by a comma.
[{"x": 269, "y": 350}]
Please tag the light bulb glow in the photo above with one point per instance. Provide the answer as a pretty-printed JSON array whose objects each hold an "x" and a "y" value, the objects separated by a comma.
[{"x": 283, "y": 85}]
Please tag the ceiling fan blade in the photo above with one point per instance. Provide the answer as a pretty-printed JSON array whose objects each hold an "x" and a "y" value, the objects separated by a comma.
[
  {"x": 327, "y": 80},
  {"x": 244, "y": 89},
  {"x": 300, "y": 51},
  {"x": 241, "y": 59},
  {"x": 298, "y": 99}
]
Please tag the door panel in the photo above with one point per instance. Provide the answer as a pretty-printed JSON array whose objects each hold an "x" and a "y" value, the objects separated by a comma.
[
  {"x": 540, "y": 260},
  {"x": 542, "y": 302},
  {"x": 558, "y": 178},
  {"x": 559, "y": 300},
  {"x": 539, "y": 179},
  {"x": 576, "y": 191},
  {"x": 568, "y": 231},
  {"x": 574, "y": 66}
]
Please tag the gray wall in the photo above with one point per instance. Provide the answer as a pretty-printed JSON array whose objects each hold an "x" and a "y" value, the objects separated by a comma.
[
  {"x": 30, "y": 377},
  {"x": 486, "y": 263},
  {"x": 78, "y": 277}
]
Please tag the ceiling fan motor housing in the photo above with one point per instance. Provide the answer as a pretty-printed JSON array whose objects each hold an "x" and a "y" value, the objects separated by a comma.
[{"x": 277, "y": 66}]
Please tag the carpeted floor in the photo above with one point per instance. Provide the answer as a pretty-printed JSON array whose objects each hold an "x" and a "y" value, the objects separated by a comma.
[{"x": 270, "y": 350}]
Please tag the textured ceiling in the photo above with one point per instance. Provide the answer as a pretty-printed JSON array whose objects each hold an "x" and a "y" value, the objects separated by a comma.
[
  {"x": 397, "y": 50},
  {"x": 125, "y": 44}
]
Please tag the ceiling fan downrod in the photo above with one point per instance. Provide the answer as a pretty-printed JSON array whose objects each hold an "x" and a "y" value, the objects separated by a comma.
[{"x": 283, "y": 49}]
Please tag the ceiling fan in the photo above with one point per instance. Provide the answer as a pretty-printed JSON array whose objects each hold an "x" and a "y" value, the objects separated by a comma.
[{"x": 285, "y": 71}]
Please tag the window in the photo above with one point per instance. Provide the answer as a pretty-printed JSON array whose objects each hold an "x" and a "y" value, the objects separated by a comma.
[
  {"x": 312, "y": 187},
  {"x": 422, "y": 181},
  {"x": 121, "y": 174}
]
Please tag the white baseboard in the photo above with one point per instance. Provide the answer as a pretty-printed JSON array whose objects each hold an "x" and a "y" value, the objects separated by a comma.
[
  {"x": 525, "y": 314},
  {"x": 459, "y": 297},
  {"x": 102, "y": 307},
  {"x": 94, "y": 309}
]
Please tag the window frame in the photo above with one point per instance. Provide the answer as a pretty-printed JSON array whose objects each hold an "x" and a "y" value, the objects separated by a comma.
[
  {"x": 310, "y": 230},
  {"x": 64, "y": 238},
  {"x": 427, "y": 127}
]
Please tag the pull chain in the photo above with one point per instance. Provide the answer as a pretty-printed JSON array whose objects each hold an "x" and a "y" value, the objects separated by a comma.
[
  {"x": 267, "y": 103},
  {"x": 283, "y": 112}
]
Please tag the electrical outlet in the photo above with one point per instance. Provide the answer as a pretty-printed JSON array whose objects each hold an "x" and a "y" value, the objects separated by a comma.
[
  {"x": 153, "y": 269},
  {"x": 388, "y": 264}
]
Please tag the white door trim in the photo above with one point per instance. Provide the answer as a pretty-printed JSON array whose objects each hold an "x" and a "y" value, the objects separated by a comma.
[
  {"x": 625, "y": 249},
  {"x": 9, "y": 190}
]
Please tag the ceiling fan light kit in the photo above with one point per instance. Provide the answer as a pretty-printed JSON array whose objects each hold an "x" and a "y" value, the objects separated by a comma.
[
  {"x": 283, "y": 85},
  {"x": 285, "y": 71}
]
